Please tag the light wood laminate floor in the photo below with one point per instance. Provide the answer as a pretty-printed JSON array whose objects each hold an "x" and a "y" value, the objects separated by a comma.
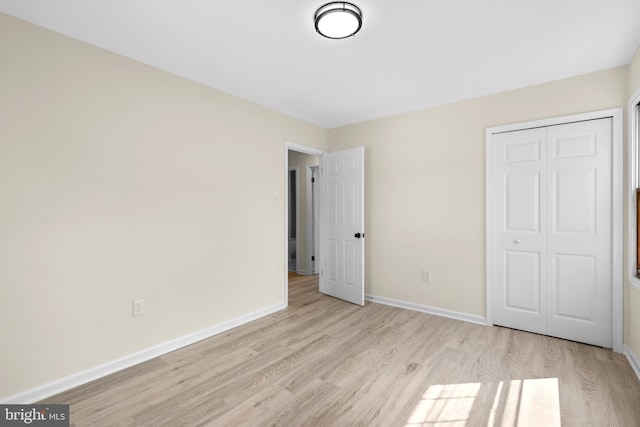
[{"x": 324, "y": 362}]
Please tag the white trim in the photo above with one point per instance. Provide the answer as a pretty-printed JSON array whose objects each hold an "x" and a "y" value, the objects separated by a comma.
[
  {"x": 552, "y": 121},
  {"x": 308, "y": 219},
  {"x": 427, "y": 309},
  {"x": 302, "y": 149},
  {"x": 633, "y": 360},
  {"x": 617, "y": 209},
  {"x": 617, "y": 217},
  {"x": 634, "y": 183},
  {"x": 489, "y": 215},
  {"x": 63, "y": 384}
]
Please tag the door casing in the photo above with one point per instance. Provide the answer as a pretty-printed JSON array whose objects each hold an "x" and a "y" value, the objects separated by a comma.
[{"x": 617, "y": 209}]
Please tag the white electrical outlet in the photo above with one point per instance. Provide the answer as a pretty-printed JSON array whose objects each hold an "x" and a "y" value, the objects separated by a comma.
[
  {"x": 426, "y": 276},
  {"x": 138, "y": 307}
]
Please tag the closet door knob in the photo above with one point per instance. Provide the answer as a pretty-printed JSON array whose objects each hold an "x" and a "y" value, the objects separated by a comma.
[{"x": 517, "y": 241}]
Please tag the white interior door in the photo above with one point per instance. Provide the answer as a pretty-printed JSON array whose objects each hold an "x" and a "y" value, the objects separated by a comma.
[
  {"x": 521, "y": 227},
  {"x": 553, "y": 230},
  {"x": 341, "y": 217}
]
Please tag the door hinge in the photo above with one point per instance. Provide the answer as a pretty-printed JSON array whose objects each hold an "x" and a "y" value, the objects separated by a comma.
[
  {"x": 313, "y": 179},
  {"x": 313, "y": 258}
]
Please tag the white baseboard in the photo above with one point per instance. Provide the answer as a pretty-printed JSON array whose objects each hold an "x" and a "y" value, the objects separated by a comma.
[
  {"x": 426, "y": 309},
  {"x": 63, "y": 384},
  {"x": 633, "y": 360}
]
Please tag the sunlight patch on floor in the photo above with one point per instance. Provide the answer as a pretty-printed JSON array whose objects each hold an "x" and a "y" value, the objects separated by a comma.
[
  {"x": 448, "y": 404},
  {"x": 530, "y": 402}
]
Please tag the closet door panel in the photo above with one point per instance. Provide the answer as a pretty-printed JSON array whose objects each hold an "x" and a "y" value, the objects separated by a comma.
[
  {"x": 579, "y": 240},
  {"x": 520, "y": 230}
]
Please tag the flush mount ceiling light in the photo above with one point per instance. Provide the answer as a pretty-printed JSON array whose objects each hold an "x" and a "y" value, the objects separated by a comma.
[{"x": 338, "y": 20}]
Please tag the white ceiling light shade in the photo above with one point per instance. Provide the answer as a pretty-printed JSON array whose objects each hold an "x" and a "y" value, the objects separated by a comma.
[{"x": 338, "y": 20}]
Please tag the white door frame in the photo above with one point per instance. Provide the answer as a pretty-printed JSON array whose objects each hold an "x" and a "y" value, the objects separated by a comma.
[
  {"x": 285, "y": 247},
  {"x": 633, "y": 162},
  {"x": 617, "y": 209}
]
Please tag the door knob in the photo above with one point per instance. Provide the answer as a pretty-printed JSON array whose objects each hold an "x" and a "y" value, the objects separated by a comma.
[
  {"x": 517, "y": 241},
  {"x": 358, "y": 235}
]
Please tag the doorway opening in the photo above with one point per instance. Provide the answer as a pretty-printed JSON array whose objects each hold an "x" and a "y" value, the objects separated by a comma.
[
  {"x": 341, "y": 221},
  {"x": 301, "y": 163},
  {"x": 292, "y": 230}
]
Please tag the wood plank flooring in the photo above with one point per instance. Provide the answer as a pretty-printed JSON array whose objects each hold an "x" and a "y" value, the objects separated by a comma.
[{"x": 325, "y": 362}]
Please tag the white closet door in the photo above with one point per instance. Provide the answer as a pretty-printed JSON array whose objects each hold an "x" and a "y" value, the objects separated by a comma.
[
  {"x": 520, "y": 230},
  {"x": 553, "y": 230},
  {"x": 580, "y": 231}
]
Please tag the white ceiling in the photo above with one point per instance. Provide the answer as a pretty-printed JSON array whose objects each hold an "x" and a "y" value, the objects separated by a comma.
[{"x": 409, "y": 55}]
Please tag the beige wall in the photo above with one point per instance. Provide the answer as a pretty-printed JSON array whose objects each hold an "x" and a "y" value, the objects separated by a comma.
[
  {"x": 121, "y": 182},
  {"x": 301, "y": 160},
  {"x": 632, "y": 294},
  {"x": 424, "y": 184}
]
